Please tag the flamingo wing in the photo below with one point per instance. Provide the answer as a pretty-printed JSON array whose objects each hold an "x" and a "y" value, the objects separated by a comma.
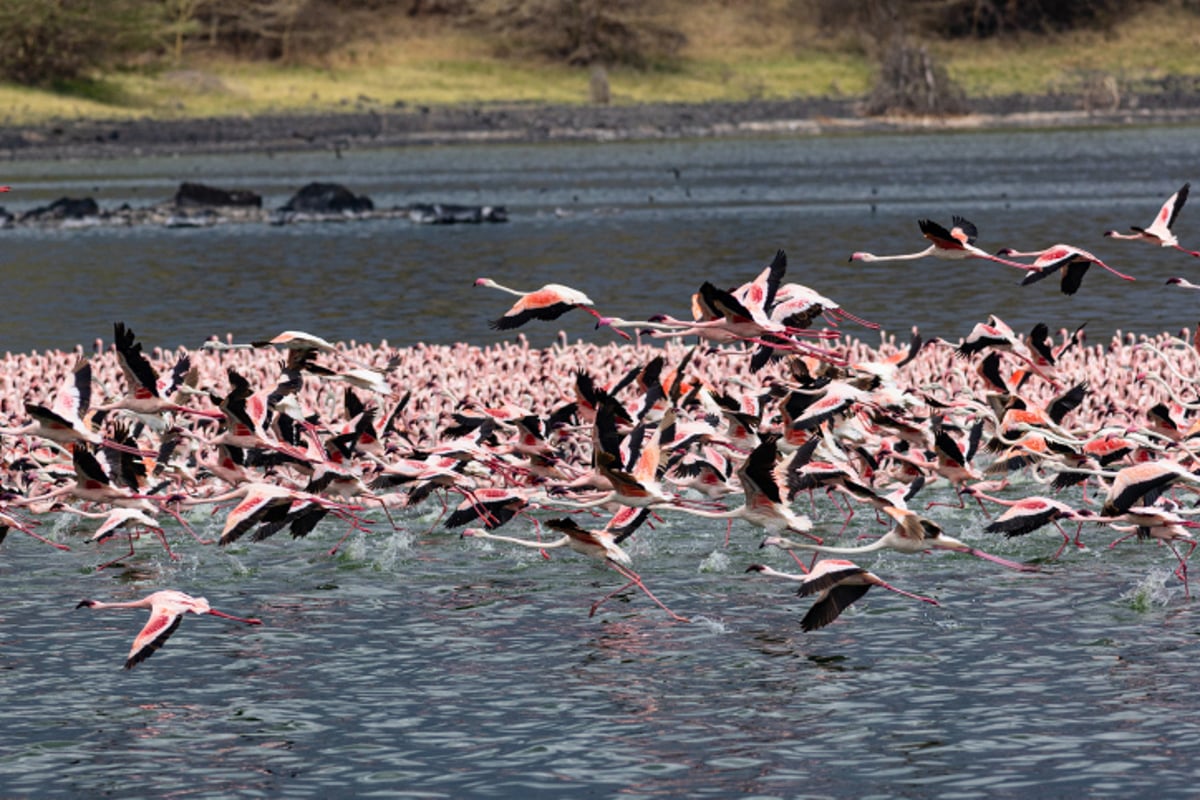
[
  {"x": 1170, "y": 210},
  {"x": 938, "y": 235},
  {"x": 757, "y": 473},
  {"x": 830, "y": 606},
  {"x": 827, "y": 575},
  {"x": 73, "y": 397},
  {"x": 964, "y": 230},
  {"x": 139, "y": 374},
  {"x": 543, "y": 304},
  {"x": 164, "y": 620},
  {"x": 1025, "y": 518}
]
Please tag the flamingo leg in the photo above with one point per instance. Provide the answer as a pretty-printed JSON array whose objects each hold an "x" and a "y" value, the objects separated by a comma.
[
  {"x": 1004, "y": 562},
  {"x": 162, "y": 536},
  {"x": 106, "y": 564},
  {"x": 635, "y": 580},
  {"x": 884, "y": 585},
  {"x": 41, "y": 538},
  {"x": 223, "y": 615}
]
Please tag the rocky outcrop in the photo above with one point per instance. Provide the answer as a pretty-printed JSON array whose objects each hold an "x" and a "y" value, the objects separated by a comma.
[
  {"x": 196, "y": 205},
  {"x": 62, "y": 209},
  {"x": 200, "y": 195},
  {"x": 327, "y": 198}
]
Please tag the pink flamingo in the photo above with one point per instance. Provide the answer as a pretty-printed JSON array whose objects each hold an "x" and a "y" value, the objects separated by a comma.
[
  {"x": 600, "y": 545},
  {"x": 1027, "y": 514},
  {"x": 167, "y": 608},
  {"x": 1071, "y": 261},
  {"x": 1159, "y": 231},
  {"x": 837, "y": 583},
  {"x": 956, "y": 243},
  {"x": 547, "y": 303},
  {"x": 911, "y": 533}
]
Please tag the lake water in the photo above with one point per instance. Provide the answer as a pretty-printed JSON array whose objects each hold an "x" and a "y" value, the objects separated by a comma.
[
  {"x": 417, "y": 664},
  {"x": 616, "y": 222}
]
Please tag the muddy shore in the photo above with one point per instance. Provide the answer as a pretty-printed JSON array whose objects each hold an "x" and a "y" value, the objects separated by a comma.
[{"x": 413, "y": 125}]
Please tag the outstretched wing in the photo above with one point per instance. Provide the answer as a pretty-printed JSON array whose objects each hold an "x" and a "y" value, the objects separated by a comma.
[{"x": 163, "y": 622}]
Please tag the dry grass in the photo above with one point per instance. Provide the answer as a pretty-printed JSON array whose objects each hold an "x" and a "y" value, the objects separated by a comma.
[{"x": 731, "y": 54}]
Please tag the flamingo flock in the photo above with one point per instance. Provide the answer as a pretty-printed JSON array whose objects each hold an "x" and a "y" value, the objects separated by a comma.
[{"x": 775, "y": 416}]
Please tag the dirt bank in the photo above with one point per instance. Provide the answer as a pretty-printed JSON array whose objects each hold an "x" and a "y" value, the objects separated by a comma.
[{"x": 410, "y": 125}]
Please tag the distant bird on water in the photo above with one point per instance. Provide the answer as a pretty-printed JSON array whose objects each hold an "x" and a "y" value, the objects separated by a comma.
[{"x": 167, "y": 608}]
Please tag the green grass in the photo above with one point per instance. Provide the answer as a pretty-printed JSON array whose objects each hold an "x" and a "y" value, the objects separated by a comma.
[{"x": 769, "y": 55}]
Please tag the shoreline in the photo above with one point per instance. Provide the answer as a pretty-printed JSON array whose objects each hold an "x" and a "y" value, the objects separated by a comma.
[{"x": 530, "y": 123}]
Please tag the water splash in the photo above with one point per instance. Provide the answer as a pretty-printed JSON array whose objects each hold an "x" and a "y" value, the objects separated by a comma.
[
  {"x": 1150, "y": 591},
  {"x": 716, "y": 561}
]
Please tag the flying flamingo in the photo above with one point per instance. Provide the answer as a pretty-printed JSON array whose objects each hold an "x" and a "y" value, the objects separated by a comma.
[
  {"x": 547, "y": 303},
  {"x": 147, "y": 392},
  {"x": 1163, "y": 526},
  {"x": 167, "y": 608},
  {"x": 911, "y": 533},
  {"x": 1071, "y": 261},
  {"x": 1027, "y": 514},
  {"x": 600, "y": 545},
  {"x": 763, "y": 504},
  {"x": 837, "y": 583},
  {"x": 1159, "y": 231},
  {"x": 956, "y": 243}
]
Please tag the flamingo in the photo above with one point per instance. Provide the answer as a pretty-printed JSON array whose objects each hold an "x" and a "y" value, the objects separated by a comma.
[
  {"x": 1133, "y": 483},
  {"x": 1163, "y": 526},
  {"x": 167, "y": 608},
  {"x": 956, "y": 243},
  {"x": 1027, "y": 514},
  {"x": 149, "y": 394},
  {"x": 601, "y": 545},
  {"x": 547, "y": 303},
  {"x": 764, "y": 504},
  {"x": 1071, "y": 261},
  {"x": 1182, "y": 283},
  {"x": 837, "y": 583},
  {"x": 62, "y": 422},
  {"x": 1159, "y": 231},
  {"x": 911, "y": 533}
]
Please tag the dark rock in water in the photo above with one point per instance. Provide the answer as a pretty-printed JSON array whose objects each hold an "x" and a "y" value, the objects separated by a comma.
[
  {"x": 199, "y": 195},
  {"x": 64, "y": 208},
  {"x": 449, "y": 214},
  {"x": 6, "y": 217},
  {"x": 328, "y": 198}
]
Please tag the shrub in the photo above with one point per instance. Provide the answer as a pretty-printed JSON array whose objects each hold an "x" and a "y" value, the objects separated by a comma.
[
  {"x": 911, "y": 82},
  {"x": 582, "y": 32},
  {"x": 43, "y": 42}
]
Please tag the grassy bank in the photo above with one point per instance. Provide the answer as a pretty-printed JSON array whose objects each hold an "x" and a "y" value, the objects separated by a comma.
[{"x": 729, "y": 56}]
